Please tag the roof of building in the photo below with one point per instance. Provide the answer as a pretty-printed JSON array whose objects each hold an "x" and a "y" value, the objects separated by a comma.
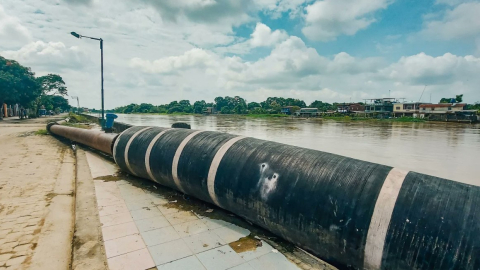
[{"x": 441, "y": 105}]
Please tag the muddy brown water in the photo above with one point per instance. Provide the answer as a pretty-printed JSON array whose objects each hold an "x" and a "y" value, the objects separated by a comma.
[{"x": 448, "y": 150}]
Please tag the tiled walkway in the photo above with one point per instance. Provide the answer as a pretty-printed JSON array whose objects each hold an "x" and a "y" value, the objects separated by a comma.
[{"x": 141, "y": 232}]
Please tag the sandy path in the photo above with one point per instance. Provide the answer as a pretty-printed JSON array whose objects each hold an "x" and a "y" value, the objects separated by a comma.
[{"x": 36, "y": 197}]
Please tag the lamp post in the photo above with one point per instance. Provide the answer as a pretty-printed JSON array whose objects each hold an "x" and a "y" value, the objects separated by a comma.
[
  {"x": 78, "y": 103},
  {"x": 101, "y": 53}
]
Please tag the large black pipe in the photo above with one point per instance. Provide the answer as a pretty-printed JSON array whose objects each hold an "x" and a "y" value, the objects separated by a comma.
[{"x": 351, "y": 213}]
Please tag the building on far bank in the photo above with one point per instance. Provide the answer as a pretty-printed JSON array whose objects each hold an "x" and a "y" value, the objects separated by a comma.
[
  {"x": 411, "y": 109},
  {"x": 307, "y": 112},
  {"x": 289, "y": 110},
  {"x": 209, "y": 110},
  {"x": 454, "y": 112},
  {"x": 380, "y": 107},
  {"x": 350, "y": 107}
]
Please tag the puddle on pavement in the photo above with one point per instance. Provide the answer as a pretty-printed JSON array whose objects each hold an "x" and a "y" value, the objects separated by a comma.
[{"x": 248, "y": 243}]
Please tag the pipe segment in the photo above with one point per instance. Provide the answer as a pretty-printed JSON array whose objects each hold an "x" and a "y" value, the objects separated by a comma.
[
  {"x": 350, "y": 213},
  {"x": 93, "y": 138}
]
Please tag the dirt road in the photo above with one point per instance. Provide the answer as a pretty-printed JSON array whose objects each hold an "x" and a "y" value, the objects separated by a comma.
[{"x": 37, "y": 176}]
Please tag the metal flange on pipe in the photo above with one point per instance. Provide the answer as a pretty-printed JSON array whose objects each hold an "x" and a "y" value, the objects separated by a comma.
[{"x": 350, "y": 213}]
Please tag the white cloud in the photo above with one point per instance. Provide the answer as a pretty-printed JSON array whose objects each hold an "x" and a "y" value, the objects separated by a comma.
[
  {"x": 52, "y": 56},
  {"x": 328, "y": 19},
  {"x": 264, "y": 37},
  {"x": 424, "y": 69},
  {"x": 460, "y": 22},
  {"x": 12, "y": 32},
  {"x": 194, "y": 58}
]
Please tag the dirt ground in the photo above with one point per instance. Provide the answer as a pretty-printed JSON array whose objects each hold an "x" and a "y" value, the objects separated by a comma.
[{"x": 37, "y": 176}]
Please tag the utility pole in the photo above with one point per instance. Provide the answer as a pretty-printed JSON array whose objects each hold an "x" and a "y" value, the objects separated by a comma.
[{"x": 78, "y": 103}]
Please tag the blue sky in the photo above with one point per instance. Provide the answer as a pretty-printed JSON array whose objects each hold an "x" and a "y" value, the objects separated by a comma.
[{"x": 329, "y": 50}]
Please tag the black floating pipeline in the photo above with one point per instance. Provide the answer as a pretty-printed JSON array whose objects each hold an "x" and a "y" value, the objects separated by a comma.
[{"x": 350, "y": 213}]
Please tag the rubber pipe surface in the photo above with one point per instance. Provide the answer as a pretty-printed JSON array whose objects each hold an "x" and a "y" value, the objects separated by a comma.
[{"x": 350, "y": 213}]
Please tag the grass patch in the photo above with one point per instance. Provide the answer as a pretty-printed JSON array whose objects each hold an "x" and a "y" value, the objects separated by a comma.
[{"x": 41, "y": 132}]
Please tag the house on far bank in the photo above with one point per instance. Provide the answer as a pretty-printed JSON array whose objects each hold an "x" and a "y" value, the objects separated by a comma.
[
  {"x": 411, "y": 109},
  {"x": 454, "y": 112},
  {"x": 209, "y": 110},
  {"x": 350, "y": 107},
  {"x": 381, "y": 107},
  {"x": 289, "y": 110},
  {"x": 307, "y": 112}
]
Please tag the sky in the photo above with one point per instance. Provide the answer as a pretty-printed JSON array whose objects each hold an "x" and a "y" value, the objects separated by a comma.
[{"x": 329, "y": 50}]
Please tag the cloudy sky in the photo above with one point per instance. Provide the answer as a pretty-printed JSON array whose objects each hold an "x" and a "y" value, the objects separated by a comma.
[{"x": 331, "y": 50}]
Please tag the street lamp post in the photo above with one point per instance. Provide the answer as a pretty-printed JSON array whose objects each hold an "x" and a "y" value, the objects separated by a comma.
[
  {"x": 78, "y": 103},
  {"x": 101, "y": 53}
]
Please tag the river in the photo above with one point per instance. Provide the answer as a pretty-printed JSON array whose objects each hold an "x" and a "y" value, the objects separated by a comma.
[{"x": 448, "y": 150}]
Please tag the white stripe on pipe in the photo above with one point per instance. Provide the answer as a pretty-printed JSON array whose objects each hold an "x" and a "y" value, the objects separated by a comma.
[
  {"x": 176, "y": 158},
  {"x": 212, "y": 172},
  {"x": 127, "y": 147},
  {"x": 149, "y": 150},
  {"x": 382, "y": 214}
]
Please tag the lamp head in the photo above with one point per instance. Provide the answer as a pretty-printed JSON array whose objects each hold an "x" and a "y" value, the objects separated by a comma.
[{"x": 75, "y": 34}]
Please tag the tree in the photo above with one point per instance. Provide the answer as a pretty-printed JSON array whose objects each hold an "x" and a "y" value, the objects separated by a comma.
[
  {"x": 322, "y": 106},
  {"x": 17, "y": 84},
  {"x": 459, "y": 98},
  {"x": 253, "y": 105},
  {"x": 199, "y": 106},
  {"x": 52, "y": 84}
]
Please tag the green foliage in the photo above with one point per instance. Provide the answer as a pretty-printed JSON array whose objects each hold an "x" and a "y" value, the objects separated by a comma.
[
  {"x": 321, "y": 106},
  {"x": 458, "y": 99},
  {"x": 52, "y": 84},
  {"x": 41, "y": 132},
  {"x": 17, "y": 83}
]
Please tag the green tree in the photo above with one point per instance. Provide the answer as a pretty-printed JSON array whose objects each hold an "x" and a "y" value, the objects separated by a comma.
[
  {"x": 17, "y": 84},
  {"x": 199, "y": 106},
  {"x": 459, "y": 98},
  {"x": 322, "y": 106},
  {"x": 253, "y": 105},
  {"x": 52, "y": 84}
]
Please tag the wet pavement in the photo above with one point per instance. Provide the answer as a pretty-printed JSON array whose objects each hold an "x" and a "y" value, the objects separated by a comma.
[{"x": 145, "y": 225}]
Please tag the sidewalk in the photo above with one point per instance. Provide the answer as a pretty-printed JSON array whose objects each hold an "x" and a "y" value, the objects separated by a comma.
[
  {"x": 145, "y": 225},
  {"x": 36, "y": 197}
]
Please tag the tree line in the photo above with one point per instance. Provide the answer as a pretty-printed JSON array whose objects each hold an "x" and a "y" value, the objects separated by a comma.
[
  {"x": 226, "y": 105},
  {"x": 19, "y": 85}
]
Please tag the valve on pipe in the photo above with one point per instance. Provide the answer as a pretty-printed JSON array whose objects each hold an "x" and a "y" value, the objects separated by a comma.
[{"x": 350, "y": 213}]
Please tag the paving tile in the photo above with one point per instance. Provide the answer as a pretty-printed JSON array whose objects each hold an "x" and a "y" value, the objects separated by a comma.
[
  {"x": 160, "y": 236},
  {"x": 214, "y": 223},
  {"x": 272, "y": 261},
  {"x": 157, "y": 199},
  {"x": 116, "y": 219},
  {"x": 231, "y": 233},
  {"x": 167, "y": 209},
  {"x": 136, "y": 260},
  {"x": 180, "y": 217},
  {"x": 153, "y": 223},
  {"x": 221, "y": 258},
  {"x": 203, "y": 241},
  {"x": 144, "y": 213},
  {"x": 244, "y": 266},
  {"x": 170, "y": 251},
  {"x": 123, "y": 245},
  {"x": 109, "y": 201},
  {"x": 120, "y": 230},
  {"x": 188, "y": 263},
  {"x": 112, "y": 209},
  {"x": 190, "y": 228},
  {"x": 135, "y": 205}
]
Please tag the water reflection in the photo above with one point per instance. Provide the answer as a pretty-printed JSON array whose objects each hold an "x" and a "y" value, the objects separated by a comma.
[{"x": 448, "y": 150}]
